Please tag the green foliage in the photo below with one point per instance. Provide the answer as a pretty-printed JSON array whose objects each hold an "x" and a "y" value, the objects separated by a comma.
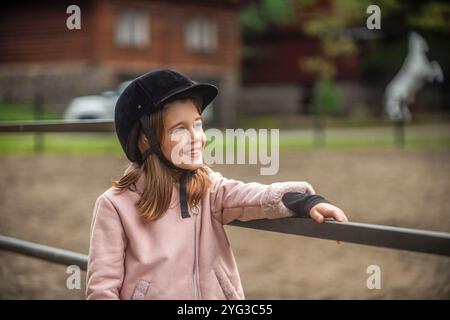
[
  {"x": 258, "y": 16},
  {"x": 433, "y": 16},
  {"x": 329, "y": 23},
  {"x": 326, "y": 99}
]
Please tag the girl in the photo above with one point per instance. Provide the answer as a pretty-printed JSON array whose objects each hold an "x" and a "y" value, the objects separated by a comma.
[{"x": 158, "y": 232}]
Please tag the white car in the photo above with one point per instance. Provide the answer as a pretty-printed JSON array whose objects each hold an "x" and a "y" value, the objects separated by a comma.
[
  {"x": 94, "y": 107},
  {"x": 102, "y": 106}
]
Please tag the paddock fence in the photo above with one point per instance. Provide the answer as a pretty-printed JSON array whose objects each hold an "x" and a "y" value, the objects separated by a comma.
[{"x": 416, "y": 240}]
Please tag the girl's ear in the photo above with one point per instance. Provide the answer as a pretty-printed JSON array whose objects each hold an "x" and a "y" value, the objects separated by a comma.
[
  {"x": 144, "y": 138},
  {"x": 143, "y": 142}
]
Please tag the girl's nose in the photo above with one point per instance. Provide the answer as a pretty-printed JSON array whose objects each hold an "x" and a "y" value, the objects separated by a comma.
[
  {"x": 195, "y": 135},
  {"x": 192, "y": 135}
]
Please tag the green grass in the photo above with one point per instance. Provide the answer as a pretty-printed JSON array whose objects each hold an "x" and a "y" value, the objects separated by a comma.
[
  {"x": 342, "y": 133},
  {"x": 307, "y": 121},
  {"x": 352, "y": 144},
  {"x": 107, "y": 143},
  {"x": 61, "y": 143},
  {"x": 355, "y": 143},
  {"x": 15, "y": 112}
]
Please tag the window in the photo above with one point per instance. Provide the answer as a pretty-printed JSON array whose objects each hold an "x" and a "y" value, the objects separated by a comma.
[
  {"x": 132, "y": 29},
  {"x": 201, "y": 35}
]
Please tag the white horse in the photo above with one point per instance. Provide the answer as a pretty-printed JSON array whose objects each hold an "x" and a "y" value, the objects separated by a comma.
[{"x": 416, "y": 69}]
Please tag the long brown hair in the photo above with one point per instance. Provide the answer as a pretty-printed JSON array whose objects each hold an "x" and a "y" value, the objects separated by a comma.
[{"x": 158, "y": 178}]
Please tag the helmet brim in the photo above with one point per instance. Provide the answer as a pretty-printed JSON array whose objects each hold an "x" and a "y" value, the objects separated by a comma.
[{"x": 206, "y": 92}]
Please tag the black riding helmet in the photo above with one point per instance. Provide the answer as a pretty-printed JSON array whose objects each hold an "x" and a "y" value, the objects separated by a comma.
[{"x": 144, "y": 95}]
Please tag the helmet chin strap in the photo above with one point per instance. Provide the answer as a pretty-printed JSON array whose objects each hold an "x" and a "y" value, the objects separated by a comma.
[{"x": 156, "y": 149}]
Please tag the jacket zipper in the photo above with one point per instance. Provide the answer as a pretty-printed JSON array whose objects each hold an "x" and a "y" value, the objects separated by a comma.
[{"x": 194, "y": 275}]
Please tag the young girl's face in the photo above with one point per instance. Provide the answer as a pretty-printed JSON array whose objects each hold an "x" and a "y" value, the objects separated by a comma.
[{"x": 184, "y": 138}]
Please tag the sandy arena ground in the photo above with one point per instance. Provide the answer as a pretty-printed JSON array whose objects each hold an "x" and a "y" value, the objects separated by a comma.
[{"x": 49, "y": 199}]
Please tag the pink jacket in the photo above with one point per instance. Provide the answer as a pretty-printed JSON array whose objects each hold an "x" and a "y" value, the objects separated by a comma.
[{"x": 172, "y": 257}]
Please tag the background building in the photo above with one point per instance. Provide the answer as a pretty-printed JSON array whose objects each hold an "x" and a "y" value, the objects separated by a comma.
[{"x": 118, "y": 41}]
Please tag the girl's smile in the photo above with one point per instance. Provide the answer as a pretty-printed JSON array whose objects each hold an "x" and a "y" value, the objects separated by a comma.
[{"x": 194, "y": 154}]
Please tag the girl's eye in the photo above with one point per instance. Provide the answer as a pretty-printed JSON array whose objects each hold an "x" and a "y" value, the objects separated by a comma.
[
  {"x": 198, "y": 125},
  {"x": 179, "y": 130}
]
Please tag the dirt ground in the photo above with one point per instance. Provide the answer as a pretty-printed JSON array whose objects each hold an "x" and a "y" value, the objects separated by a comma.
[{"x": 49, "y": 199}]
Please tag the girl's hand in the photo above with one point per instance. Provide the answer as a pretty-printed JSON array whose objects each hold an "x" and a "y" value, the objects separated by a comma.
[{"x": 325, "y": 210}]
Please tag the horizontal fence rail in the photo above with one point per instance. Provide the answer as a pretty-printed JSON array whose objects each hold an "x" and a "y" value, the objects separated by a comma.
[
  {"x": 43, "y": 252},
  {"x": 58, "y": 126},
  {"x": 421, "y": 241},
  {"x": 360, "y": 233}
]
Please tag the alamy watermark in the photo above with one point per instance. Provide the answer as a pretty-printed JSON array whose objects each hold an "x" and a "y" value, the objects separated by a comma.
[
  {"x": 374, "y": 20},
  {"x": 73, "y": 22},
  {"x": 73, "y": 281},
  {"x": 234, "y": 146},
  {"x": 374, "y": 280}
]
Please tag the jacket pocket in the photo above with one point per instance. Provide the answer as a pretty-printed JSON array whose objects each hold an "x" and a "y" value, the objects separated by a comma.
[
  {"x": 228, "y": 288},
  {"x": 140, "y": 290}
]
